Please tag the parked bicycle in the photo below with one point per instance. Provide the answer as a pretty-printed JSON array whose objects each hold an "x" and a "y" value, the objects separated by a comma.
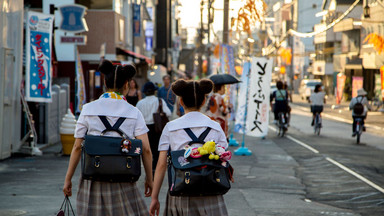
[
  {"x": 376, "y": 104},
  {"x": 282, "y": 125},
  {"x": 359, "y": 129},
  {"x": 317, "y": 124}
]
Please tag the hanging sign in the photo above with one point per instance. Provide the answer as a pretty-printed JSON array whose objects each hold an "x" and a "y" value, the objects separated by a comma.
[
  {"x": 38, "y": 54},
  {"x": 73, "y": 18},
  {"x": 258, "y": 97}
]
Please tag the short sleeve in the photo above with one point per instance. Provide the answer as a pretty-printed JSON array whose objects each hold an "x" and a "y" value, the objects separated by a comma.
[
  {"x": 81, "y": 127},
  {"x": 222, "y": 139},
  {"x": 140, "y": 126},
  {"x": 164, "y": 141}
]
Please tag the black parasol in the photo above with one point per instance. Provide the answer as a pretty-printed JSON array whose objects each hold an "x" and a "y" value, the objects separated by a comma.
[{"x": 220, "y": 79}]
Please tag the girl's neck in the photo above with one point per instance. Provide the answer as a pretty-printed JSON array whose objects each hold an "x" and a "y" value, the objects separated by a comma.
[{"x": 191, "y": 110}]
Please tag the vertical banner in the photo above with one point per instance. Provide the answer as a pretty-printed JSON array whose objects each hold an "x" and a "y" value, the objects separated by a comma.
[
  {"x": 136, "y": 20},
  {"x": 38, "y": 55},
  {"x": 242, "y": 100},
  {"x": 382, "y": 82},
  {"x": 227, "y": 60},
  {"x": 357, "y": 83},
  {"x": 80, "y": 84},
  {"x": 340, "y": 83},
  {"x": 258, "y": 97}
]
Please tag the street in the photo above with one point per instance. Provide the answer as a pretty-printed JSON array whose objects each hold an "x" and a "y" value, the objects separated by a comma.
[{"x": 300, "y": 174}]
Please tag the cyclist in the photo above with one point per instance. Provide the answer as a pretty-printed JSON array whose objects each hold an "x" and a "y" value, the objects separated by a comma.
[
  {"x": 281, "y": 101},
  {"x": 317, "y": 100},
  {"x": 358, "y": 112}
]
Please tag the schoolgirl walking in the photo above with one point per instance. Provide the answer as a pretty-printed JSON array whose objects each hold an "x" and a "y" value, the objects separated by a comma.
[{"x": 176, "y": 136}]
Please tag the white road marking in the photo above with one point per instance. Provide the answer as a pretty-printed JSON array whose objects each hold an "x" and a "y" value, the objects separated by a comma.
[
  {"x": 356, "y": 175},
  {"x": 341, "y": 166}
]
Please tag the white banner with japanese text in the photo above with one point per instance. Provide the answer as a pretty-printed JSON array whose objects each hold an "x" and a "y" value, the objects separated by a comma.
[
  {"x": 258, "y": 97},
  {"x": 38, "y": 80},
  {"x": 80, "y": 84}
]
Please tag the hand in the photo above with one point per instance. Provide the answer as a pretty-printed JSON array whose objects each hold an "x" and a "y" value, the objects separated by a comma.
[
  {"x": 67, "y": 189},
  {"x": 148, "y": 188},
  {"x": 154, "y": 207}
]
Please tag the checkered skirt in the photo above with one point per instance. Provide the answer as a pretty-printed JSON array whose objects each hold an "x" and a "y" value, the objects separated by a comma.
[
  {"x": 105, "y": 198},
  {"x": 195, "y": 206}
]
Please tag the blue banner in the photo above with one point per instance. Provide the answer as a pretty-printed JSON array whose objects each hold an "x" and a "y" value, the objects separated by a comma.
[
  {"x": 136, "y": 20},
  {"x": 38, "y": 50}
]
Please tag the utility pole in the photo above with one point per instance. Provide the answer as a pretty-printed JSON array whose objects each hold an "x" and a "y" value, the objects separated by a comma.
[
  {"x": 209, "y": 39},
  {"x": 225, "y": 22},
  {"x": 200, "y": 49}
]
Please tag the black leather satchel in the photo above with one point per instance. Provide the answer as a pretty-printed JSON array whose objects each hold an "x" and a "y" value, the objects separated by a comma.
[
  {"x": 103, "y": 157},
  {"x": 160, "y": 118},
  {"x": 197, "y": 176}
]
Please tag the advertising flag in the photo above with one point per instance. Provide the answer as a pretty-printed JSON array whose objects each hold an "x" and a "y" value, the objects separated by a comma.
[
  {"x": 38, "y": 55},
  {"x": 258, "y": 97},
  {"x": 242, "y": 100},
  {"x": 80, "y": 85},
  {"x": 357, "y": 83}
]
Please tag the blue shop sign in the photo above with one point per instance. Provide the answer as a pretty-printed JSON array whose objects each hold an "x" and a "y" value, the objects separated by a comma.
[{"x": 73, "y": 18}]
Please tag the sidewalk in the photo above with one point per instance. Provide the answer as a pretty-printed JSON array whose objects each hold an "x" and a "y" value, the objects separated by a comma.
[{"x": 265, "y": 184}]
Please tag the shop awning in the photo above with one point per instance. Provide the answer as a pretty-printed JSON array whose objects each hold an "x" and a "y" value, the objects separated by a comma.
[{"x": 120, "y": 51}]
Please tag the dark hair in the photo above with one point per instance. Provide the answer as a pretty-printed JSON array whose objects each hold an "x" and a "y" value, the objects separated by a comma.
[
  {"x": 136, "y": 85},
  {"x": 122, "y": 73},
  {"x": 167, "y": 76},
  {"x": 279, "y": 85},
  {"x": 192, "y": 92},
  {"x": 317, "y": 87},
  {"x": 217, "y": 87}
]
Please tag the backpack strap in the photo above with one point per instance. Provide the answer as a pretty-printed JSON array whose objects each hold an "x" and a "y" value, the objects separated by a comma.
[
  {"x": 115, "y": 127},
  {"x": 195, "y": 139}
]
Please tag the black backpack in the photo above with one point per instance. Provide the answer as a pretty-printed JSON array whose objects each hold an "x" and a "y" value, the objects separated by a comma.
[{"x": 358, "y": 108}]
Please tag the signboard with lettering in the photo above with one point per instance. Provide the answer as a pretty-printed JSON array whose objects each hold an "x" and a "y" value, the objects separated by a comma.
[
  {"x": 73, "y": 18},
  {"x": 258, "y": 97},
  {"x": 79, "y": 40},
  {"x": 136, "y": 20},
  {"x": 38, "y": 81}
]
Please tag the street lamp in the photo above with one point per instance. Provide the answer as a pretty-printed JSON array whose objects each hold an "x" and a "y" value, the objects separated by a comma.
[{"x": 366, "y": 11}]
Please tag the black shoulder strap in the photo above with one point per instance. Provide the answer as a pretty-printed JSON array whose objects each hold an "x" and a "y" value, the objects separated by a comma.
[
  {"x": 115, "y": 127},
  {"x": 200, "y": 139}
]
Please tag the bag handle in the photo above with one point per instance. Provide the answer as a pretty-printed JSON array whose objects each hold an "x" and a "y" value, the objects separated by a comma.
[
  {"x": 195, "y": 139},
  {"x": 160, "y": 107},
  {"x": 67, "y": 206},
  {"x": 115, "y": 127}
]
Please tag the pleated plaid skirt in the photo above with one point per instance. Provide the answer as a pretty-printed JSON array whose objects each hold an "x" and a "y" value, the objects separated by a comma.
[
  {"x": 109, "y": 199},
  {"x": 195, "y": 206}
]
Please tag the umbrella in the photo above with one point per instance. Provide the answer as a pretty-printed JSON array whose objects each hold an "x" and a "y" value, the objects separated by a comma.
[{"x": 220, "y": 79}]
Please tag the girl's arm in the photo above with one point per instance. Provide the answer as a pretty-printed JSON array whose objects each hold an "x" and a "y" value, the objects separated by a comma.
[
  {"x": 147, "y": 161},
  {"x": 161, "y": 168},
  {"x": 73, "y": 161},
  {"x": 139, "y": 94}
]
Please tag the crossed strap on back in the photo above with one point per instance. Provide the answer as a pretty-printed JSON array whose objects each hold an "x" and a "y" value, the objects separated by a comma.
[
  {"x": 115, "y": 127},
  {"x": 195, "y": 139}
]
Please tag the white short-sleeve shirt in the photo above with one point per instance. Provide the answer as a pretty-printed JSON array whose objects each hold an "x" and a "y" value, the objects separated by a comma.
[
  {"x": 175, "y": 137},
  {"x": 317, "y": 99},
  {"x": 90, "y": 123}
]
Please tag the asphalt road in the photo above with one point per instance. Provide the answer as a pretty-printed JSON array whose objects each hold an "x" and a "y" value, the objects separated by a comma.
[{"x": 301, "y": 174}]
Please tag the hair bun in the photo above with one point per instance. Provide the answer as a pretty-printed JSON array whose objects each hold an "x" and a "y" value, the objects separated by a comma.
[
  {"x": 206, "y": 86},
  {"x": 178, "y": 87},
  {"x": 129, "y": 70},
  {"x": 106, "y": 67}
]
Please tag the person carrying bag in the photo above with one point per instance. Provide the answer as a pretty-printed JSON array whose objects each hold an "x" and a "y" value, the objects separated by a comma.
[
  {"x": 99, "y": 192},
  {"x": 179, "y": 141}
]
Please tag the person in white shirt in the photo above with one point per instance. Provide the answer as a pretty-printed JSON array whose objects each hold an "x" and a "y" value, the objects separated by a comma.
[
  {"x": 317, "y": 100},
  {"x": 361, "y": 98},
  {"x": 192, "y": 97},
  {"x": 148, "y": 106},
  {"x": 99, "y": 197}
]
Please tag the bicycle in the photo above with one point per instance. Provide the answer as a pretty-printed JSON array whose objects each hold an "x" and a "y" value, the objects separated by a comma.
[
  {"x": 375, "y": 104},
  {"x": 281, "y": 124},
  {"x": 317, "y": 124},
  {"x": 359, "y": 129}
]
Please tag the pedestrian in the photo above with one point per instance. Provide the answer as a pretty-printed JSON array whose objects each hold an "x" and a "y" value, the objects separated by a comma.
[
  {"x": 281, "y": 101},
  {"x": 134, "y": 94},
  {"x": 110, "y": 198},
  {"x": 317, "y": 100},
  {"x": 192, "y": 96},
  {"x": 359, "y": 106},
  {"x": 166, "y": 94},
  {"x": 217, "y": 109},
  {"x": 148, "y": 106}
]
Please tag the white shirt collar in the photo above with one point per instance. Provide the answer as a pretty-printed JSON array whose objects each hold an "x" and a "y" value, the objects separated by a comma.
[
  {"x": 191, "y": 120},
  {"x": 110, "y": 107}
]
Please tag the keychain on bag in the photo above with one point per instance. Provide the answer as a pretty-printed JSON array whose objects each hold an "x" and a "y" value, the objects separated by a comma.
[{"x": 65, "y": 208}]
